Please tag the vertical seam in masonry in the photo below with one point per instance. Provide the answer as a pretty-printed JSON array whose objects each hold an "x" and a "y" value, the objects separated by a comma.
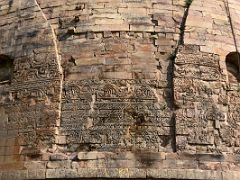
[
  {"x": 58, "y": 63},
  {"x": 173, "y": 57}
]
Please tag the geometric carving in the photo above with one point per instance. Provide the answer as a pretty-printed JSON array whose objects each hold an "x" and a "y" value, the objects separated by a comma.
[
  {"x": 198, "y": 94},
  {"x": 116, "y": 113}
]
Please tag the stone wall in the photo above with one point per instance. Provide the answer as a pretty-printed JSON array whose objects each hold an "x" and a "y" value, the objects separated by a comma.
[
  {"x": 30, "y": 101},
  {"x": 119, "y": 89}
]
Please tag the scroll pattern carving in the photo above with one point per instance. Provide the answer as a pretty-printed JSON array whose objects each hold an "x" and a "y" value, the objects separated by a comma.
[
  {"x": 207, "y": 109},
  {"x": 116, "y": 114}
]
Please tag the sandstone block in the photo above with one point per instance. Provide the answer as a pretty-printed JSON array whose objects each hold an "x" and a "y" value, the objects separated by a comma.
[
  {"x": 91, "y": 155},
  {"x": 61, "y": 140},
  {"x": 64, "y": 164},
  {"x": 137, "y": 173}
]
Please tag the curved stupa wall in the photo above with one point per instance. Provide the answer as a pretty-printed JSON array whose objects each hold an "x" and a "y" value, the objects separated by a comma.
[{"x": 119, "y": 89}]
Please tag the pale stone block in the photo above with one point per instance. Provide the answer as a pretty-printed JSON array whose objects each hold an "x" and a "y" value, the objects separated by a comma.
[
  {"x": 61, "y": 140},
  {"x": 90, "y": 155}
]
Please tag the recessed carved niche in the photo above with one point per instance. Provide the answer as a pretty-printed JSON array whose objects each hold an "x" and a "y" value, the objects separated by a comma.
[
  {"x": 232, "y": 63},
  {"x": 6, "y": 69}
]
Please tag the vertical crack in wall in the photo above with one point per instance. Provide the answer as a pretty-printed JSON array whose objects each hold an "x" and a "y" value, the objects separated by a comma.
[
  {"x": 58, "y": 60},
  {"x": 183, "y": 23},
  {"x": 182, "y": 29},
  {"x": 173, "y": 57}
]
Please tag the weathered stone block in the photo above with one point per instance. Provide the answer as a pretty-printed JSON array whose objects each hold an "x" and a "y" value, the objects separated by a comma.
[
  {"x": 35, "y": 165},
  {"x": 90, "y": 155},
  {"x": 137, "y": 173},
  {"x": 59, "y": 164},
  {"x": 51, "y": 173}
]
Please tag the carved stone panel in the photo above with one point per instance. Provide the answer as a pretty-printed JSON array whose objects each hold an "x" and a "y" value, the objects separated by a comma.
[
  {"x": 122, "y": 114},
  {"x": 201, "y": 102}
]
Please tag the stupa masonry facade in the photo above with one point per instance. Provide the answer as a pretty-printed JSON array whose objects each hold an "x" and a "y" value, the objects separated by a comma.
[{"x": 120, "y": 89}]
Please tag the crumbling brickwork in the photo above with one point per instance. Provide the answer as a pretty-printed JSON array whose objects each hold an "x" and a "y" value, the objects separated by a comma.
[{"x": 119, "y": 89}]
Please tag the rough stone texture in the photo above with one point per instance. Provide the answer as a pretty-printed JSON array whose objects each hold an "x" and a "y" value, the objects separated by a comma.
[{"x": 119, "y": 89}]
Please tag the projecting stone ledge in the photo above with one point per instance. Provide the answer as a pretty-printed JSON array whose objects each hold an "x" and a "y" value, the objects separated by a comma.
[
  {"x": 138, "y": 165},
  {"x": 142, "y": 173},
  {"x": 115, "y": 173}
]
